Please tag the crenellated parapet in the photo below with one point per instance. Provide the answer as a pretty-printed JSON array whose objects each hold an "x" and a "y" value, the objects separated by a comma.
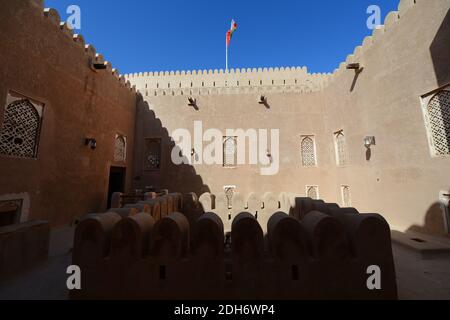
[
  {"x": 259, "y": 80},
  {"x": 234, "y": 81},
  {"x": 92, "y": 57},
  {"x": 377, "y": 36}
]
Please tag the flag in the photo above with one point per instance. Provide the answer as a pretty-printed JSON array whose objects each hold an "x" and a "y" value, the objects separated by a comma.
[
  {"x": 231, "y": 31},
  {"x": 233, "y": 26}
]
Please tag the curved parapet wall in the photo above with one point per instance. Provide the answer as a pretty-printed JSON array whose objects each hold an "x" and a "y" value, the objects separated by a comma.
[{"x": 324, "y": 255}]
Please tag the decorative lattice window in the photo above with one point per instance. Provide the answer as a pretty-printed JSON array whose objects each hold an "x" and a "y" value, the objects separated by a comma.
[
  {"x": 19, "y": 135},
  {"x": 229, "y": 192},
  {"x": 152, "y": 154},
  {"x": 341, "y": 152},
  {"x": 229, "y": 151},
  {"x": 438, "y": 115},
  {"x": 346, "y": 198},
  {"x": 120, "y": 148},
  {"x": 308, "y": 151},
  {"x": 312, "y": 192}
]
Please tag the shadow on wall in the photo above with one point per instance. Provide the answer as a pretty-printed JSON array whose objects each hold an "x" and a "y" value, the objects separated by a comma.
[
  {"x": 440, "y": 49},
  {"x": 368, "y": 154},
  {"x": 434, "y": 223},
  {"x": 355, "y": 78},
  {"x": 176, "y": 178}
]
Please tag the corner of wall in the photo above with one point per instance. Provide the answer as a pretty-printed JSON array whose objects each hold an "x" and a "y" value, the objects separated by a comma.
[
  {"x": 54, "y": 18},
  {"x": 377, "y": 35}
]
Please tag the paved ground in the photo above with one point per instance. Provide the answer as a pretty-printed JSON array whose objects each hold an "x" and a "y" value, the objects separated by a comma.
[
  {"x": 421, "y": 279},
  {"x": 47, "y": 281},
  {"x": 417, "y": 278}
]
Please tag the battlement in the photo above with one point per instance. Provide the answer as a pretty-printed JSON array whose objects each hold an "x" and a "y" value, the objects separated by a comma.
[
  {"x": 258, "y": 80},
  {"x": 92, "y": 57},
  {"x": 377, "y": 35},
  {"x": 234, "y": 81}
]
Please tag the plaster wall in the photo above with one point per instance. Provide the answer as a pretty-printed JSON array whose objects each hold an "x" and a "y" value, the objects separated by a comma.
[
  {"x": 401, "y": 62},
  {"x": 44, "y": 61},
  {"x": 402, "y": 179}
]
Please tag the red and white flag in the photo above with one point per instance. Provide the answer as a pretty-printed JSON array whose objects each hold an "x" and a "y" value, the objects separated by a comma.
[{"x": 231, "y": 31}]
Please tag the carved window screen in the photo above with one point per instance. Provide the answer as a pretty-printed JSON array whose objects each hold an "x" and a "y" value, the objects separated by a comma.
[
  {"x": 312, "y": 192},
  {"x": 152, "y": 155},
  {"x": 346, "y": 198},
  {"x": 120, "y": 149},
  {"x": 308, "y": 152},
  {"x": 438, "y": 114},
  {"x": 19, "y": 134},
  {"x": 229, "y": 151},
  {"x": 341, "y": 152}
]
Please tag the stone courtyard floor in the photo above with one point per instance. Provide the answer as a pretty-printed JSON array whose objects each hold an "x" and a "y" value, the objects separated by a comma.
[
  {"x": 48, "y": 280},
  {"x": 417, "y": 278}
]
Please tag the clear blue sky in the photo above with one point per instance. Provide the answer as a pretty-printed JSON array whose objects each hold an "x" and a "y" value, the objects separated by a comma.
[{"x": 149, "y": 35}]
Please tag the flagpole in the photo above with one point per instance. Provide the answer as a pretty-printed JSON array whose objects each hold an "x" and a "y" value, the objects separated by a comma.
[
  {"x": 227, "y": 43},
  {"x": 226, "y": 56}
]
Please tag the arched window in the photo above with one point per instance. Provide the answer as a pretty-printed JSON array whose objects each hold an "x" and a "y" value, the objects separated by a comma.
[
  {"x": 229, "y": 151},
  {"x": 308, "y": 151},
  {"x": 346, "y": 199},
  {"x": 438, "y": 113},
  {"x": 19, "y": 135},
  {"x": 120, "y": 149},
  {"x": 229, "y": 192},
  {"x": 312, "y": 192},
  {"x": 152, "y": 155},
  {"x": 341, "y": 152}
]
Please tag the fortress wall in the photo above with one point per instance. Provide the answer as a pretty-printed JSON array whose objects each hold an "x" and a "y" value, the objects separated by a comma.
[
  {"x": 402, "y": 180},
  {"x": 235, "y": 81},
  {"x": 293, "y": 114},
  {"x": 402, "y": 61},
  {"x": 43, "y": 60}
]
